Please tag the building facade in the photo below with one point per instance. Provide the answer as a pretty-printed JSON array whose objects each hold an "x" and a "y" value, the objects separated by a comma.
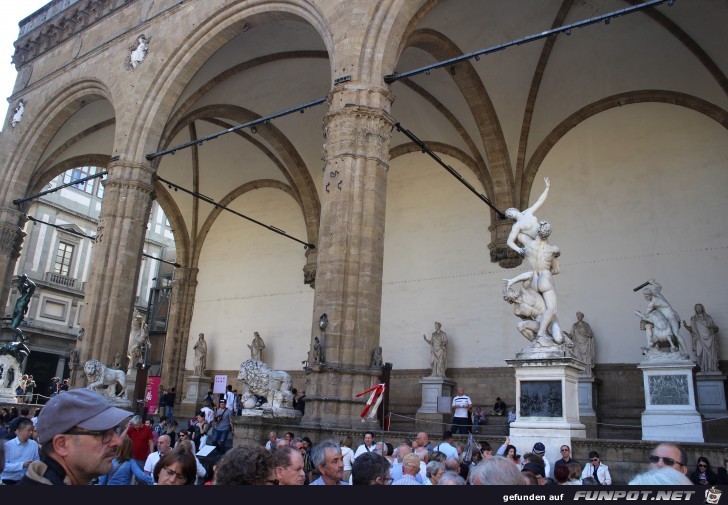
[{"x": 626, "y": 116}]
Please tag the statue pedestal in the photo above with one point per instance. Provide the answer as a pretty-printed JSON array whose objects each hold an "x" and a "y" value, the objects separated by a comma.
[
  {"x": 7, "y": 386},
  {"x": 587, "y": 403},
  {"x": 711, "y": 394},
  {"x": 196, "y": 388},
  {"x": 427, "y": 414},
  {"x": 670, "y": 413},
  {"x": 253, "y": 425},
  {"x": 547, "y": 410}
]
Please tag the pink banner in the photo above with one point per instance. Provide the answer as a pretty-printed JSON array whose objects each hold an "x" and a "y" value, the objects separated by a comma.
[{"x": 151, "y": 395}]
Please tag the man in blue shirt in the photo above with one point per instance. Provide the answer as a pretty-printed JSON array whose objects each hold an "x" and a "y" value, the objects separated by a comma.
[
  {"x": 222, "y": 426},
  {"x": 20, "y": 452}
]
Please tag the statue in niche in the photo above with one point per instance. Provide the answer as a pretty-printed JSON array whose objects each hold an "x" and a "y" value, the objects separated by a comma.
[
  {"x": 200, "y": 349},
  {"x": 17, "y": 114},
  {"x": 139, "y": 51},
  {"x": 438, "y": 356},
  {"x": 256, "y": 347},
  {"x": 377, "y": 362},
  {"x": 660, "y": 322},
  {"x": 705, "y": 339},
  {"x": 583, "y": 337},
  {"x": 318, "y": 352}
]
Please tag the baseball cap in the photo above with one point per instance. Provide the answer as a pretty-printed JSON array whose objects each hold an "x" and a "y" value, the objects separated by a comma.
[
  {"x": 78, "y": 407},
  {"x": 539, "y": 448},
  {"x": 222, "y": 400}
]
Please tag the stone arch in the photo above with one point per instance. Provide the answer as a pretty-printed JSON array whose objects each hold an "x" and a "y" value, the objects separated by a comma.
[
  {"x": 209, "y": 36},
  {"x": 285, "y": 157},
  {"x": 658, "y": 96},
  {"x": 449, "y": 150},
  {"x": 226, "y": 200},
  {"x": 481, "y": 107},
  {"x": 57, "y": 109},
  {"x": 177, "y": 222},
  {"x": 45, "y": 173}
]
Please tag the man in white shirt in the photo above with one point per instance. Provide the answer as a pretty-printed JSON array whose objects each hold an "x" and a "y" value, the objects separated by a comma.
[
  {"x": 270, "y": 445},
  {"x": 164, "y": 445},
  {"x": 461, "y": 405},
  {"x": 230, "y": 399},
  {"x": 20, "y": 452},
  {"x": 367, "y": 446},
  {"x": 208, "y": 413},
  {"x": 445, "y": 447}
]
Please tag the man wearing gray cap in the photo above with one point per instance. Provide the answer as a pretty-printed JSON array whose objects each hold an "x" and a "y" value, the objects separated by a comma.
[{"x": 78, "y": 436}]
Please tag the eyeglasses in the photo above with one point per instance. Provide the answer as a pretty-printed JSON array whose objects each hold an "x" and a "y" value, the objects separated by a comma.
[
  {"x": 182, "y": 435},
  {"x": 106, "y": 435},
  {"x": 702, "y": 465},
  {"x": 564, "y": 450},
  {"x": 595, "y": 459},
  {"x": 387, "y": 481},
  {"x": 667, "y": 461},
  {"x": 173, "y": 475}
]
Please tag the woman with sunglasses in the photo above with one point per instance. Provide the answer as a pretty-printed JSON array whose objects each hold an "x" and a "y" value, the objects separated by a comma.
[
  {"x": 181, "y": 437},
  {"x": 703, "y": 474},
  {"x": 176, "y": 468}
]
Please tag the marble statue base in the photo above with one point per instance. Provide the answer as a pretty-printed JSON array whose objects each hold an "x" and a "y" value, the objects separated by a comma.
[
  {"x": 670, "y": 410},
  {"x": 253, "y": 425},
  {"x": 428, "y": 418},
  {"x": 711, "y": 394},
  {"x": 7, "y": 395},
  {"x": 196, "y": 388},
  {"x": 548, "y": 407},
  {"x": 587, "y": 404}
]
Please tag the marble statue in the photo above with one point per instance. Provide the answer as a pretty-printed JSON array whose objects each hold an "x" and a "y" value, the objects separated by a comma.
[
  {"x": 200, "y": 349},
  {"x": 139, "y": 51},
  {"x": 103, "y": 379},
  {"x": 525, "y": 222},
  {"x": 138, "y": 340},
  {"x": 438, "y": 357},
  {"x": 539, "y": 283},
  {"x": 256, "y": 347},
  {"x": 705, "y": 339},
  {"x": 583, "y": 337},
  {"x": 377, "y": 362},
  {"x": 17, "y": 114},
  {"x": 261, "y": 380},
  {"x": 318, "y": 352},
  {"x": 116, "y": 364},
  {"x": 73, "y": 359},
  {"x": 660, "y": 321}
]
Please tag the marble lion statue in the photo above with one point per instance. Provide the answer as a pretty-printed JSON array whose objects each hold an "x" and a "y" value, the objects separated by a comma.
[
  {"x": 100, "y": 375},
  {"x": 275, "y": 385}
]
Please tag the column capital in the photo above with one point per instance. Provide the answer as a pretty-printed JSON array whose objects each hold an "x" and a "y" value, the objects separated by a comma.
[{"x": 131, "y": 174}]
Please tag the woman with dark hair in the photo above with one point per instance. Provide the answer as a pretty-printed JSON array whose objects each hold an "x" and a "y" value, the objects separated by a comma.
[
  {"x": 182, "y": 436},
  {"x": 176, "y": 468},
  {"x": 561, "y": 474},
  {"x": 125, "y": 468},
  {"x": 703, "y": 474},
  {"x": 509, "y": 452},
  {"x": 246, "y": 465}
]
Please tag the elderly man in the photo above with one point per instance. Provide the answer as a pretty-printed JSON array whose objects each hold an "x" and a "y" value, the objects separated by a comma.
[
  {"x": 164, "y": 446},
  {"x": 327, "y": 459},
  {"x": 20, "y": 452},
  {"x": 78, "y": 434},
  {"x": 270, "y": 445},
  {"x": 142, "y": 439},
  {"x": 423, "y": 440},
  {"x": 289, "y": 467},
  {"x": 495, "y": 470},
  {"x": 669, "y": 455},
  {"x": 410, "y": 470}
]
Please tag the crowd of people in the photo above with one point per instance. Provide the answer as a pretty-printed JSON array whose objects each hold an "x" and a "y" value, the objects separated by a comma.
[{"x": 79, "y": 438}]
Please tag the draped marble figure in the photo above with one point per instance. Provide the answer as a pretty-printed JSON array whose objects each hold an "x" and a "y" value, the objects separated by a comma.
[
  {"x": 705, "y": 339},
  {"x": 438, "y": 357}
]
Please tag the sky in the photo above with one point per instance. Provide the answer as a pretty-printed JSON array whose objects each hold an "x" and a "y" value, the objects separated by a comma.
[{"x": 11, "y": 12}]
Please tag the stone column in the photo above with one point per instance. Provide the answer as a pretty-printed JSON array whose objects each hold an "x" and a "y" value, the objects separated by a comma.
[
  {"x": 12, "y": 222},
  {"x": 184, "y": 286},
  {"x": 350, "y": 253},
  {"x": 111, "y": 288}
]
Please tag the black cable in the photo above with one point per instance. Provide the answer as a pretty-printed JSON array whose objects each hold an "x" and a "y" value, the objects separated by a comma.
[
  {"x": 220, "y": 206},
  {"x": 58, "y": 188}
]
